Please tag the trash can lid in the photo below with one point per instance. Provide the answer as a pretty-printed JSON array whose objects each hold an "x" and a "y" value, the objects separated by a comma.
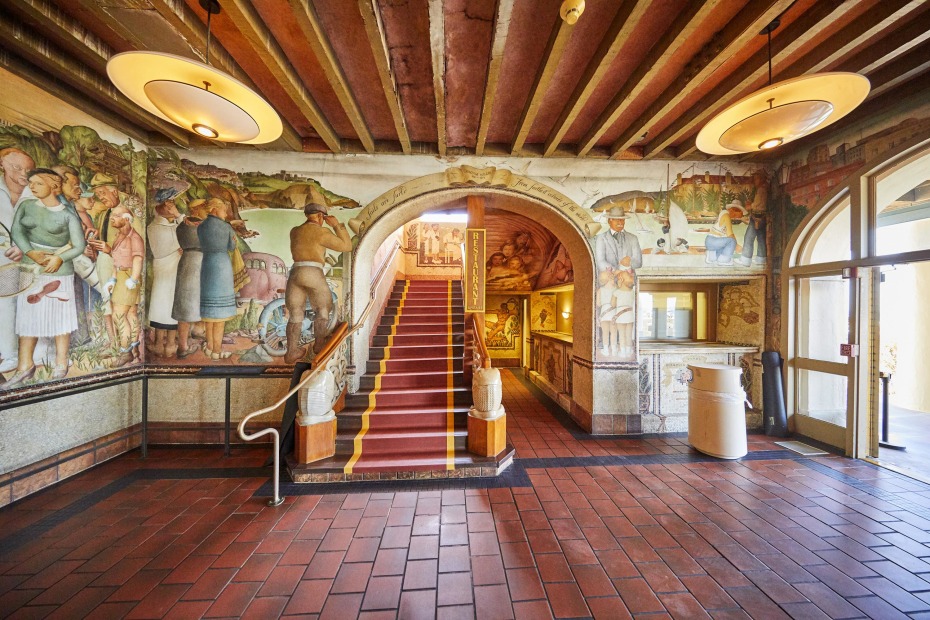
[{"x": 716, "y": 377}]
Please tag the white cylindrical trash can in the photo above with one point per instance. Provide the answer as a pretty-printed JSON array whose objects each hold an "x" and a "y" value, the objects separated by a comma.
[{"x": 716, "y": 414}]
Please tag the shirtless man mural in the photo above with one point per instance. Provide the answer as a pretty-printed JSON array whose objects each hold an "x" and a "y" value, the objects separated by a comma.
[{"x": 306, "y": 281}]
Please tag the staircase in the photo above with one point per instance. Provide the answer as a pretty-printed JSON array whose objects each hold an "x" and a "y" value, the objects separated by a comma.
[
  {"x": 410, "y": 411},
  {"x": 409, "y": 416}
]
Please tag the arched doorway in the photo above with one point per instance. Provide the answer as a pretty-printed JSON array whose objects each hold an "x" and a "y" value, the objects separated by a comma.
[
  {"x": 567, "y": 221},
  {"x": 831, "y": 296}
]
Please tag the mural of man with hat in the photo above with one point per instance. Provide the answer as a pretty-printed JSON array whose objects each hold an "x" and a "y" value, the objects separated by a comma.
[
  {"x": 107, "y": 197},
  {"x": 306, "y": 281},
  {"x": 166, "y": 256},
  {"x": 616, "y": 253}
]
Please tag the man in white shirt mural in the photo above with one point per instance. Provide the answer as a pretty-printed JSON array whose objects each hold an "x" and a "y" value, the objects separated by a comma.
[
  {"x": 617, "y": 254},
  {"x": 14, "y": 189}
]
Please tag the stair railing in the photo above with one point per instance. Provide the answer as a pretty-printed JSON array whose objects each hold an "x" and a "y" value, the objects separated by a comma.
[
  {"x": 476, "y": 355},
  {"x": 334, "y": 344}
]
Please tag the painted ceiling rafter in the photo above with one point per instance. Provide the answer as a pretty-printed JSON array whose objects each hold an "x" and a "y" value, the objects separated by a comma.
[
  {"x": 664, "y": 50},
  {"x": 374, "y": 28},
  {"x": 558, "y": 40},
  {"x": 35, "y": 49},
  {"x": 250, "y": 25},
  {"x": 502, "y": 17},
  {"x": 437, "y": 36},
  {"x": 744, "y": 28},
  {"x": 309, "y": 24},
  {"x": 785, "y": 43}
]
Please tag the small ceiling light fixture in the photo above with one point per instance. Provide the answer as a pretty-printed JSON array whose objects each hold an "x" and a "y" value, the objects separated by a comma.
[
  {"x": 782, "y": 112},
  {"x": 194, "y": 95},
  {"x": 571, "y": 10}
]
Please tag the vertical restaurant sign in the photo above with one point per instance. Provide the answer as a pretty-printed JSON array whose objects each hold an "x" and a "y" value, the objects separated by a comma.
[{"x": 474, "y": 269}]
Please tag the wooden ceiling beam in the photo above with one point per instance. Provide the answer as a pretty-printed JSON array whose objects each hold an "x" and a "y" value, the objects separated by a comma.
[
  {"x": 885, "y": 14},
  {"x": 247, "y": 21},
  {"x": 374, "y": 27},
  {"x": 620, "y": 32},
  {"x": 786, "y": 42},
  {"x": 852, "y": 36},
  {"x": 735, "y": 35},
  {"x": 437, "y": 40},
  {"x": 559, "y": 37},
  {"x": 501, "y": 29},
  {"x": 309, "y": 24},
  {"x": 67, "y": 93},
  {"x": 67, "y": 33},
  {"x": 896, "y": 73},
  {"x": 684, "y": 27},
  {"x": 912, "y": 33},
  {"x": 33, "y": 48}
]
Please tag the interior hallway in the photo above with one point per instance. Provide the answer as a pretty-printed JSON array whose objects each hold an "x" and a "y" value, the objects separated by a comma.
[{"x": 579, "y": 527}]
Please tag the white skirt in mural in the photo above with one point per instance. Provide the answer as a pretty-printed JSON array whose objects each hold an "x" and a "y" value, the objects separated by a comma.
[{"x": 45, "y": 310}]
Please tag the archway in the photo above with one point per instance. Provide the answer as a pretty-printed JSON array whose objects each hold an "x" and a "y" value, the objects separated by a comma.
[{"x": 569, "y": 222}]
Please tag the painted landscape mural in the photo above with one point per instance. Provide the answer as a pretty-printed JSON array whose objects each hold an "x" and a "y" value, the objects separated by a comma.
[
  {"x": 223, "y": 244},
  {"x": 72, "y": 254}
]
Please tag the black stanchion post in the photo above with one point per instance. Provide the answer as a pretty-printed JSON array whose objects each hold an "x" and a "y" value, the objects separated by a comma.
[{"x": 884, "y": 441}]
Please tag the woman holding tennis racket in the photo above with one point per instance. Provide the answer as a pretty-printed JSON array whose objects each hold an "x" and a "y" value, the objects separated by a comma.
[{"x": 50, "y": 237}]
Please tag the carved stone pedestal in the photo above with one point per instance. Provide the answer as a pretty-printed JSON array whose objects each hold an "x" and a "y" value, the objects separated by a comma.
[
  {"x": 487, "y": 437},
  {"x": 315, "y": 441}
]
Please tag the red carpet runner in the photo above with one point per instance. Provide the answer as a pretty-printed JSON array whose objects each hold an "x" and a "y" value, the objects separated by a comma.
[{"x": 412, "y": 403}]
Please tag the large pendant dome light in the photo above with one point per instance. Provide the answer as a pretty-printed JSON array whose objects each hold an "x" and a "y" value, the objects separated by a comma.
[
  {"x": 194, "y": 95},
  {"x": 782, "y": 112}
]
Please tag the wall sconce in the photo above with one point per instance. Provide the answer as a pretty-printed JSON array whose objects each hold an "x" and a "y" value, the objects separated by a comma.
[{"x": 565, "y": 315}]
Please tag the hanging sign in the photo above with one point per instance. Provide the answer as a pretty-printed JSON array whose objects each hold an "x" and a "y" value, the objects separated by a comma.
[{"x": 474, "y": 269}]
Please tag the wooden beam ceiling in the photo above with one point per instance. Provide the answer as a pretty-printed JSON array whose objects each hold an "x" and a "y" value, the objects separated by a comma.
[
  {"x": 621, "y": 30},
  {"x": 746, "y": 26},
  {"x": 188, "y": 24},
  {"x": 784, "y": 45},
  {"x": 437, "y": 39},
  {"x": 313, "y": 32},
  {"x": 250, "y": 25},
  {"x": 912, "y": 33},
  {"x": 559, "y": 37},
  {"x": 374, "y": 28},
  {"x": 70, "y": 35},
  {"x": 501, "y": 29},
  {"x": 684, "y": 26},
  {"x": 35, "y": 49},
  {"x": 823, "y": 56}
]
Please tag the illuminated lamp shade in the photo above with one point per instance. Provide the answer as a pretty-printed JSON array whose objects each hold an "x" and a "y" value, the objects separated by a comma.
[
  {"x": 782, "y": 113},
  {"x": 195, "y": 96}
]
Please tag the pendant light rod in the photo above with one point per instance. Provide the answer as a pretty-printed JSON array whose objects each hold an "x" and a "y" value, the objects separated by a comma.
[
  {"x": 775, "y": 23},
  {"x": 212, "y": 7}
]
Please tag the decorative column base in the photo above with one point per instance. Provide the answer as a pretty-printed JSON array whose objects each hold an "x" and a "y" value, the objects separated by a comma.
[
  {"x": 315, "y": 442},
  {"x": 487, "y": 437}
]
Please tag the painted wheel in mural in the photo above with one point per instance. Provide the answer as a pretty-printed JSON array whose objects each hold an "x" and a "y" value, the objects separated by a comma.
[{"x": 272, "y": 325}]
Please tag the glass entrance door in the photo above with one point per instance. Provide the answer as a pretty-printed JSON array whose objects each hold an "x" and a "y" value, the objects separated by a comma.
[{"x": 820, "y": 372}]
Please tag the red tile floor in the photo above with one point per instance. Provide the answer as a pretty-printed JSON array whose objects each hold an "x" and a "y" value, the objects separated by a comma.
[{"x": 581, "y": 527}]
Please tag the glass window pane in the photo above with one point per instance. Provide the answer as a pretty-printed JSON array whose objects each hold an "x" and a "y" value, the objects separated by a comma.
[
  {"x": 831, "y": 242},
  {"x": 823, "y": 317},
  {"x": 822, "y": 396},
  {"x": 666, "y": 315},
  {"x": 903, "y": 225}
]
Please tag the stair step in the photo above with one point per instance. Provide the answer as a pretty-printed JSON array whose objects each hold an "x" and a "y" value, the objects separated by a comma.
[
  {"x": 417, "y": 328},
  {"x": 417, "y": 351},
  {"x": 414, "y": 364},
  {"x": 388, "y": 442},
  {"x": 422, "y": 318},
  {"x": 401, "y": 340},
  {"x": 423, "y": 397},
  {"x": 413, "y": 380}
]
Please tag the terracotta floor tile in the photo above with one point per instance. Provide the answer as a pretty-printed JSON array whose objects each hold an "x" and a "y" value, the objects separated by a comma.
[
  {"x": 454, "y": 589},
  {"x": 390, "y": 562},
  {"x": 566, "y": 600},
  {"x": 282, "y": 581},
  {"x": 324, "y": 565},
  {"x": 524, "y": 584},
  {"x": 341, "y": 606},
  {"x": 554, "y": 568},
  {"x": 309, "y": 597},
  {"x": 454, "y": 559},
  {"x": 487, "y": 570},
  {"x": 493, "y": 602},
  {"x": 382, "y": 593},
  {"x": 421, "y": 574},
  {"x": 418, "y": 605}
]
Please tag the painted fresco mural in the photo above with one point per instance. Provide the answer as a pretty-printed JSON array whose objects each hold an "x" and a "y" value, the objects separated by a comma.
[
  {"x": 503, "y": 321},
  {"x": 543, "y": 312},
  {"x": 72, "y": 254},
  {"x": 229, "y": 250},
  {"x": 435, "y": 244},
  {"x": 518, "y": 250}
]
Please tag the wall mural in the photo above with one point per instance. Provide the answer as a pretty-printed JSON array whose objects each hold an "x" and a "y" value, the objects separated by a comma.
[
  {"x": 518, "y": 249},
  {"x": 435, "y": 244},
  {"x": 72, "y": 254},
  {"x": 543, "y": 312},
  {"x": 504, "y": 325},
  {"x": 235, "y": 256}
]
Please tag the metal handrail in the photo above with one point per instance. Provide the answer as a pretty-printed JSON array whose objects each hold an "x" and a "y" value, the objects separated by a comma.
[{"x": 318, "y": 363}]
